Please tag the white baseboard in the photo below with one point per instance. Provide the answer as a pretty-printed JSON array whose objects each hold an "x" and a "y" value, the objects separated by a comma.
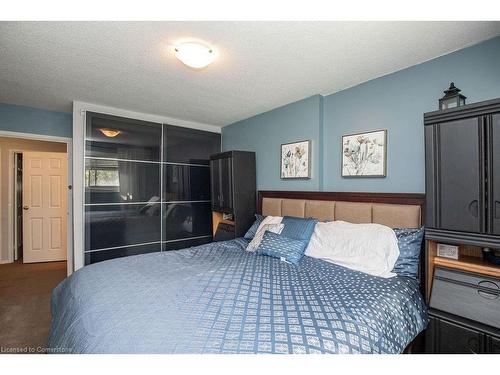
[{"x": 2, "y": 261}]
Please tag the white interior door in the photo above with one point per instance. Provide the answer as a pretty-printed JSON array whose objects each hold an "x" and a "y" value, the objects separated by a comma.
[{"x": 44, "y": 206}]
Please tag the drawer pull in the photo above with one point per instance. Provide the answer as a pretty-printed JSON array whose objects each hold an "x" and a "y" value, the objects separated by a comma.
[
  {"x": 488, "y": 295},
  {"x": 489, "y": 284}
]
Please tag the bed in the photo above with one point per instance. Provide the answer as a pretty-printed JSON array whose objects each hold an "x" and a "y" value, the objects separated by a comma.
[{"x": 218, "y": 298}]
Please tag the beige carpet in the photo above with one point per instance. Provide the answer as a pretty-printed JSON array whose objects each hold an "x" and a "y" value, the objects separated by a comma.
[{"x": 25, "y": 291}]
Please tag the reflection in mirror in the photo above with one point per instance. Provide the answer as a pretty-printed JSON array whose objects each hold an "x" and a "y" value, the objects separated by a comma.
[
  {"x": 99, "y": 256},
  {"x": 113, "y": 181},
  {"x": 184, "y": 145},
  {"x": 121, "y": 225},
  {"x": 122, "y": 138},
  {"x": 184, "y": 220},
  {"x": 186, "y": 183}
]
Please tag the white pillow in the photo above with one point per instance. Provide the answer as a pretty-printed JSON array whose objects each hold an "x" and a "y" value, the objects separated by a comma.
[
  {"x": 257, "y": 239},
  {"x": 369, "y": 248}
]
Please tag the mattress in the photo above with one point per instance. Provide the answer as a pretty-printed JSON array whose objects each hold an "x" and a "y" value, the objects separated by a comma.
[{"x": 218, "y": 298}]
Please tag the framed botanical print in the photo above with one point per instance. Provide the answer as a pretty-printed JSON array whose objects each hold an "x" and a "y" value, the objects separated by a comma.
[
  {"x": 364, "y": 154},
  {"x": 296, "y": 160}
]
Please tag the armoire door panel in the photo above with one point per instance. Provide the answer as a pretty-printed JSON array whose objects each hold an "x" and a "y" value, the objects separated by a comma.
[
  {"x": 493, "y": 345},
  {"x": 456, "y": 339},
  {"x": 215, "y": 183},
  {"x": 460, "y": 177},
  {"x": 494, "y": 178},
  {"x": 430, "y": 177},
  {"x": 226, "y": 181}
]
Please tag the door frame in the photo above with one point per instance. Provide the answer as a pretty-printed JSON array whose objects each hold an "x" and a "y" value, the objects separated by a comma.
[
  {"x": 70, "y": 228},
  {"x": 14, "y": 205}
]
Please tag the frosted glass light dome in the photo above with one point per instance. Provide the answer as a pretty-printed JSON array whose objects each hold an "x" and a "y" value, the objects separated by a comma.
[{"x": 195, "y": 55}]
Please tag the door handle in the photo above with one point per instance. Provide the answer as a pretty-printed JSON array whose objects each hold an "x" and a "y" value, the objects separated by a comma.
[
  {"x": 26, "y": 208},
  {"x": 473, "y": 207}
]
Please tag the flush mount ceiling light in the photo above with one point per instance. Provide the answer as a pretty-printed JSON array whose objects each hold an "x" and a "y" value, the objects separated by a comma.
[
  {"x": 195, "y": 55},
  {"x": 111, "y": 133}
]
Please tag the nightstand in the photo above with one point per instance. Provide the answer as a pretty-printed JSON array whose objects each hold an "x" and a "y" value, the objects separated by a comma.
[{"x": 464, "y": 299}]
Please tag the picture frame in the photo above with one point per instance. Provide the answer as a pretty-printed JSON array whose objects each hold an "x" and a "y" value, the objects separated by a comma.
[
  {"x": 295, "y": 160},
  {"x": 364, "y": 154}
]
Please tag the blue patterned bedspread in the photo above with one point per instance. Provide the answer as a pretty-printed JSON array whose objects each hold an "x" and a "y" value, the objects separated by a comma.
[{"x": 217, "y": 298}]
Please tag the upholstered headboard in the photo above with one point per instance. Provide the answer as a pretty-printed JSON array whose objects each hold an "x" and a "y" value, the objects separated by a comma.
[{"x": 394, "y": 210}]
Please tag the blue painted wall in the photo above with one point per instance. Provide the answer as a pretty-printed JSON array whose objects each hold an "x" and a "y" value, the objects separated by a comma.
[
  {"x": 265, "y": 133},
  {"x": 395, "y": 102},
  {"x": 36, "y": 121}
]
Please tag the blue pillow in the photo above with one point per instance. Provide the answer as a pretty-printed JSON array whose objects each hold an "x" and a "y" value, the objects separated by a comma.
[
  {"x": 298, "y": 228},
  {"x": 279, "y": 246},
  {"x": 253, "y": 229},
  {"x": 409, "y": 242}
]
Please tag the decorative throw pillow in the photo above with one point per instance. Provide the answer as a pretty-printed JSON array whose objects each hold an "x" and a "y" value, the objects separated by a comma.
[
  {"x": 269, "y": 220},
  {"x": 409, "y": 242},
  {"x": 368, "y": 248},
  {"x": 298, "y": 228},
  {"x": 253, "y": 229},
  {"x": 254, "y": 244},
  {"x": 281, "y": 247}
]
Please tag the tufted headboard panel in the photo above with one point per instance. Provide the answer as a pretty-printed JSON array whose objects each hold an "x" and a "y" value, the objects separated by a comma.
[{"x": 393, "y": 210}]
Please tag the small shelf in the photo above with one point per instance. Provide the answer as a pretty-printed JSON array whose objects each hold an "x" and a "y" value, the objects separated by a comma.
[
  {"x": 217, "y": 218},
  {"x": 469, "y": 263},
  {"x": 470, "y": 260}
]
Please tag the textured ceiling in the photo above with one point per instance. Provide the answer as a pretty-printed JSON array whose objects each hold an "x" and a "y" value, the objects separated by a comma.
[{"x": 261, "y": 65}]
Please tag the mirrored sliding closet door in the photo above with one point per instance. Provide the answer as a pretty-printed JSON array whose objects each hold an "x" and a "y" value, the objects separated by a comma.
[{"x": 147, "y": 187}]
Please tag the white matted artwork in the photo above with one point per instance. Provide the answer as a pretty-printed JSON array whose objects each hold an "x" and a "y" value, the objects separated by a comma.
[
  {"x": 364, "y": 154},
  {"x": 295, "y": 160}
]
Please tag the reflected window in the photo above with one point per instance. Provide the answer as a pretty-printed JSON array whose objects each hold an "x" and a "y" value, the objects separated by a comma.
[
  {"x": 105, "y": 175},
  {"x": 116, "y": 181}
]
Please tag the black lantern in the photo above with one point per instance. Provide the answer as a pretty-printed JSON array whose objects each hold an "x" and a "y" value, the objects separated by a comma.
[{"x": 452, "y": 98}]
